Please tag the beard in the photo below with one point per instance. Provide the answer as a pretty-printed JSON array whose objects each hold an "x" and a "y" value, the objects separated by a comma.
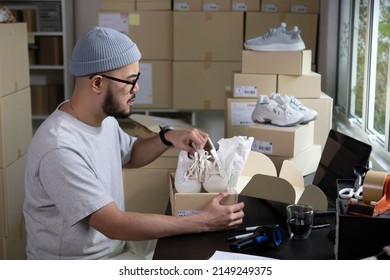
[{"x": 111, "y": 107}]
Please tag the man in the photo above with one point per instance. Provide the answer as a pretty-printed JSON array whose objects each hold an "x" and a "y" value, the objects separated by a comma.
[{"x": 74, "y": 205}]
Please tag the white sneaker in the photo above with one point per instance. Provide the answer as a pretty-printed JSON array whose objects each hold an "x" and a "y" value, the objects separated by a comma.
[
  {"x": 269, "y": 111},
  {"x": 211, "y": 173},
  {"x": 277, "y": 39},
  {"x": 187, "y": 173},
  {"x": 308, "y": 114}
]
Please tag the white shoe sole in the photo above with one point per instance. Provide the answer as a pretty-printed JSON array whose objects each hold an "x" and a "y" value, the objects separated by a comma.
[{"x": 275, "y": 47}]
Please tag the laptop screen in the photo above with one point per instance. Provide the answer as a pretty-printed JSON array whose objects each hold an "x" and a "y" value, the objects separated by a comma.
[{"x": 340, "y": 155}]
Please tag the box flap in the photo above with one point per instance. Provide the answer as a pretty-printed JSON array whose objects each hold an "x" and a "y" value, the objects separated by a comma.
[{"x": 154, "y": 123}]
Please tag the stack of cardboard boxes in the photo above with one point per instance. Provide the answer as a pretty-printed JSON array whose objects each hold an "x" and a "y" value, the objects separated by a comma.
[
  {"x": 15, "y": 136},
  {"x": 291, "y": 73}
]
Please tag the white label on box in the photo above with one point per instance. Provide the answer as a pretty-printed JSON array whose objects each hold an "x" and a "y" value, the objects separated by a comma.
[
  {"x": 239, "y": 6},
  {"x": 117, "y": 21},
  {"x": 186, "y": 212},
  {"x": 145, "y": 82},
  {"x": 270, "y": 8},
  {"x": 246, "y": 91},
  {"x": 211, "y": 7},
  {"x": 299, "y": 8},
  {"x": 241, "y": 113},
  {"x": 181, "y": 7},
  {"x": 262, "y": 147}
]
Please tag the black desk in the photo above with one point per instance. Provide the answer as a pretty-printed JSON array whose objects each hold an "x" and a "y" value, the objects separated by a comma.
[{"x": 319, "y": 245}]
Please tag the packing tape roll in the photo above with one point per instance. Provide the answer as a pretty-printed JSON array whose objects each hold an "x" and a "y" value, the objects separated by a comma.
[{"x": 373, "y": 185}]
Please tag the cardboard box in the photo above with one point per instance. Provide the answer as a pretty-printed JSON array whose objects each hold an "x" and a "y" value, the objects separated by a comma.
[
  {"x": 359, "y": 237},
  {"x": 304, "y": 86},
  {"x": 187, "y": 5},
  {"x": 12, "y": 228},
  {"x": 155, "y": 84},
  {"x": 203, "y": 85},
  {"x": 306, "y": 161},
  {"x": 275, "y": 6},
  {"x": 281, "y": 141},
  {"x": 258, "y": 23},
  {"x": 195, "y": 39},
  {"x": 119, "y": 6},
  {"x": 149, "y": 126},
  {"x": 258, "y": 179},
  {"x": 253, "y": 85},
  {"x": 305, "y": 6},
  {"x": 151, "y": 30},
  {"x": 154, "y": 5},
  {"x": 216, "y": 5},
  {"x": 246, "y": 5},
  {"x": 14, "y": 61},
  {"x": 15, "y": 126},
  {"x": 146, "y": 190},
  {"x": 238, "y": 116},
  {"x": 287, "y": 63},
  {"x": 185, "y": 204},
  {"x": 323, "y": 123}
]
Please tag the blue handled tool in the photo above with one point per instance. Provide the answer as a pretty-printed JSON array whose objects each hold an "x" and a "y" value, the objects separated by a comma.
[{"x": 271, "y": 235}]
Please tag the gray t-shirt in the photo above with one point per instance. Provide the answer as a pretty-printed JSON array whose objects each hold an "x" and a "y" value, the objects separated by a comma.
[{"x": 72, "y": 170}]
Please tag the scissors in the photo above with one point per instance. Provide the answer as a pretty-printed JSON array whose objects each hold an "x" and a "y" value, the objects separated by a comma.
[{"x": 352, "y": 192}]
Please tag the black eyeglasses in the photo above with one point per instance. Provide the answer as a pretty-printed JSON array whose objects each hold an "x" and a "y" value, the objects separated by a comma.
[{"x": 132, "y": 82}]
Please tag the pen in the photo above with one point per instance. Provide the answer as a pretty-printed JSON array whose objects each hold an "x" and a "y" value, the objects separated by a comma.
[
  {"x": 320, "y": 226},
  {"x": 252, "y": 228},
  {"x": 237, "y": 237},
  {"x": 248, "y": 228}
]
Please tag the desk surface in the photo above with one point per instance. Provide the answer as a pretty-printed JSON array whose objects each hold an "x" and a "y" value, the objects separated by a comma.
[{"x": 319, "y": 245}]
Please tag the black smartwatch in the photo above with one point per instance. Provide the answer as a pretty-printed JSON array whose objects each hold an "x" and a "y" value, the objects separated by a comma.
[{"x": 162, "y": 135}]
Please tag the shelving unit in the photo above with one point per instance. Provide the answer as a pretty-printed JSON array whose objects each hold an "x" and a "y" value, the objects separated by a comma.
[{"x": 51, "y": 40}]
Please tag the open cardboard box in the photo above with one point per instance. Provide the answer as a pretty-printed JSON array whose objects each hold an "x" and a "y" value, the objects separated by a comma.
[{"x": 259, "y": 179}]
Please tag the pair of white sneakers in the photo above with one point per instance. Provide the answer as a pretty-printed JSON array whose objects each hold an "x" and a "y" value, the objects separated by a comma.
[
  {"x": 277, "y": 39},
  {"x": 204, "y": 168},
  {"x": 282, "y": 111}
]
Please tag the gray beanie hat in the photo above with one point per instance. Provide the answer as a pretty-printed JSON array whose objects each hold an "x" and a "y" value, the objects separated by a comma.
[{"x": 102, "y": 49}]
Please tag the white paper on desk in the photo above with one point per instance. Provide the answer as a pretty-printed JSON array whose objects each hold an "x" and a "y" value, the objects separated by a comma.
[{"x": 220, "y": 255}]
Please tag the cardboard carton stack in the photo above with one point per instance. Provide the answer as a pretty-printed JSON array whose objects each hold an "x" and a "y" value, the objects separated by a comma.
[
  {"x": 15, "y": 136},
  {"x": 207, "y": 45},
  {"x": 149, "y": 24},
  {"x": 286, "y": 73}
]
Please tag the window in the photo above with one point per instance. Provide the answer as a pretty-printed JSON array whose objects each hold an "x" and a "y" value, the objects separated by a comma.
[{"x": 363, "y": 87}]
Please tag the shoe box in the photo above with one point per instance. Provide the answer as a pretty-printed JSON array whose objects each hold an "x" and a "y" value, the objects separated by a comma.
[
  {"x": 302, "y": 86},
  {"x": 245, "y": 5},
  {"x": 293, "y": 6},
  {"x": 306, "y": 161},
  {"x": 284, "y": 63},
  {"x": 194, "y": 36},
  {"x": 14, "y": 66},
  {"x": 152, "y": 5},
  {"x": 359, "y": 237},
  {"x": 239, "y": 111},
  {"x": 118, "y": 5},
  {"x": 156, "y": 84},
  {"x": 12, "y": 229},
  {"x": 258, "y": 23},
  {"x": 258, "y": 179},
  {"x": 253, "y": 85},
  {"x": 281, "y": 141},
  {"x": 275, "y": 6},
  {"x": 203, "y": 85},
  {"x": 187, "y": 5}
]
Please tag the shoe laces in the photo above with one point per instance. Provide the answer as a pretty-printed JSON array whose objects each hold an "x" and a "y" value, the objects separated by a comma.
[
  {"x": 207, "y": 166},
  {"x": 192, "y": 171}
]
